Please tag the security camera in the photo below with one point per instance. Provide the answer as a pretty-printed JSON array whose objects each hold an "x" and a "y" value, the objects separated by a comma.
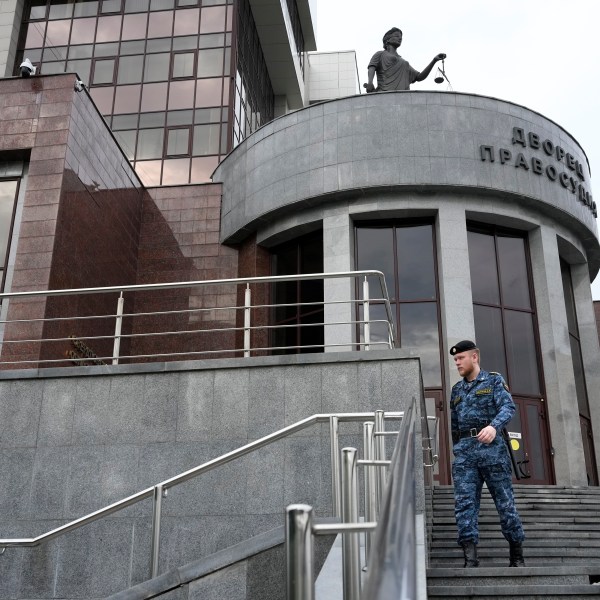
[
  {"x": 26, "y": 68},
  {"x": 79, "y": 85}
]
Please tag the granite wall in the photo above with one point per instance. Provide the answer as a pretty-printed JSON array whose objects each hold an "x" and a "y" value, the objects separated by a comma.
[{"x": 75, "y": 440}]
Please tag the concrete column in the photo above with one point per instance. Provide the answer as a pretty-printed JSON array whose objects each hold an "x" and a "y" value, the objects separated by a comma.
[
  {"x": 337, "y": 256},
  {"x": 11, "y": 12},
  {"x": 590, "y": 350},
  {"x": 563, "y": 413},
  {"x": 455, "y": 284}
]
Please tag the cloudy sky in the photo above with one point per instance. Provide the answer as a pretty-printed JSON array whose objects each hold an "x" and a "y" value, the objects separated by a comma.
[{"x": 543, "y": 54}]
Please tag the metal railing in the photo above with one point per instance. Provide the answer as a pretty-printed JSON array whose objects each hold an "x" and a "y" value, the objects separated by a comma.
[
  {"x": 158, "y": 491},
  {"x": 235, "y": 321},
  {"x": 390, "y": 556}
]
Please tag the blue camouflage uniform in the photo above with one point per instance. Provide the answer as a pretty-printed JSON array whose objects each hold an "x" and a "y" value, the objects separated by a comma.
[{"x": 476, "y": 404}]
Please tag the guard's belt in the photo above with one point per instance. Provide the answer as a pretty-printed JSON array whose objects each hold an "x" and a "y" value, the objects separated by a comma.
[{"x": 466, "y": 433}]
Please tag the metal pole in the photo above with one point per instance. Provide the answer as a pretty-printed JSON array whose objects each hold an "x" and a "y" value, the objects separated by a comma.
[
  {"x": 370, "y": 485},
  {"x": 350, "y": 541},
  {"x": 380, "y": 455},
  {"x": 156, "y": 510},
  {"x": 118, "y": 325},
  {"x": 299, "y": 552},
  {"x": 334, "y": 441},
  {"x": 366, "y": 316},
  {"x": 247, "y": 305}
]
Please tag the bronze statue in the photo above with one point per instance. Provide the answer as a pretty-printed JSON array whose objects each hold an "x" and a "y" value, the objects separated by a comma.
[{"x": 393, "y": 72}]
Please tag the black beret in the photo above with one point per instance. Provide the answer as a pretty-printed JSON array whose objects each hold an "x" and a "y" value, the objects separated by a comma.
[{"x": 462, "y": 347}]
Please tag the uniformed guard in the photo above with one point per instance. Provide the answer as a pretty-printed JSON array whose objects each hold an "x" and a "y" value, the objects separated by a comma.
[{"x": 480, "y": 407}]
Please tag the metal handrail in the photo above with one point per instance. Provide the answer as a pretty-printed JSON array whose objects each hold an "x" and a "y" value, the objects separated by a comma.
[
  {"x": 156, "y": 491},
  {"x": 392, "y": 569},
  {"x": 247, "y": 327}
]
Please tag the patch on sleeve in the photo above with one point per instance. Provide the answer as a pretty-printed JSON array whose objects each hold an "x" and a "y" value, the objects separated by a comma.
[{"x": 505, "y": 386}]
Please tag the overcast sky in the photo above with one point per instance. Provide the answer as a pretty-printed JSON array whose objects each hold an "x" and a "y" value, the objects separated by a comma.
[{"x": 543, "y": 54}]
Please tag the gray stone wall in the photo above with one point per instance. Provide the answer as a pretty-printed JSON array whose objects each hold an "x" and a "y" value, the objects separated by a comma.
[{"x": 75, "y": 440}]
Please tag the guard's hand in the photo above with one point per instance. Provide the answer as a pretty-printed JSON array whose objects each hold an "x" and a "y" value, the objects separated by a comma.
[
  {"x": 486, "y": 435},
  {"x": 440, "y": 56},
  {"x": 369, "y": 87}
]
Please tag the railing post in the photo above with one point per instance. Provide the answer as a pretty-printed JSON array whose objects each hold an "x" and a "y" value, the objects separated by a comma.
[
  {"x": 334, "y": 441},
  {"x": 156, "y": 517},
  {"x": 370, "y": 482},
  {"x": 299, "y": 552},
  {"x": 380, "y": 455},
  {"x": 366, "y": 315},
  {"x": 350, "y": 541},
  {"x": 118, "y": 325},
  {"x": 247, "y": 309}
]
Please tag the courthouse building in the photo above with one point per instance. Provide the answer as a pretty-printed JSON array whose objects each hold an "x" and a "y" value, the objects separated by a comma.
[{"x": 199, "y": 149}]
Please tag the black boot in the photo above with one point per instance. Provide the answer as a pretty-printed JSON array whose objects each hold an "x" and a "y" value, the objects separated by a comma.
[
  {"x": 516, "y": 555},
  {"x": 470, "y": 551}
]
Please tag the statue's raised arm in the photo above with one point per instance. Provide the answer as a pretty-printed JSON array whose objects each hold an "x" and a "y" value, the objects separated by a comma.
[{"x": 393, "y": 72}]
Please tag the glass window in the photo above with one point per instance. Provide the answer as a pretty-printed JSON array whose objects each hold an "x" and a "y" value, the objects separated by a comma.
[
  {"x": 181, "y": 94},
  {"x": 210, "y": 40},
  {"x": 109, "y": 29},
  {"x": 482, "y": 264},
  {"x": 213, "y": 19},
  {"x": 565, "y": 271},
  {"x": 130, "y": 69},
  {"x": 134, "y": 27},
  {"x": 35, "y": 35},
  {"x": 156, "y": 119},
  {"x": 207, "y": 115},
  {"x": 416, "y": 268},
  {"x": 126, "y": 140},
  {"x": 160, "y": 24},
  {"x": 103, "y": 98},
  {"x": 111, "y": 6},
  {"x": 159, "y": 45},
  {"x": 55, "y": 53},
  {"x": 150, "y": 143},
  {"x": 180, "y": 117},
  {"x": 81, "y": 67},
  {"x": 202, "y": 168},
  {"x": 157, "y": 67},
  {"x": 490, "y": 337},
  {"x": 8, "y": 190},
  {"x": 104, "y": 71},
  {"x": 149, "y": 171},
  {"x": 85, "y": 8},
  {"x": 582, "y": 398},
  {"x": 186, "y": 21},
  {"x": 37, "y": 9},
  {"x": 133, "y": 6},
  {"x": 176, "y": 171},
  {"x": 83, "y": 31},
  {"x": 210, "y": 62},
  {"x": 125, "y": 122},
  {"x": 178, "y": 141},
  {"x": 76, "y": 52},
  {"x": 521, "y": 352},
  {"x": 161, "y": 4},
  {"x": 183, "y": 64},
  {"x": 134, "y": 47},
  {"x": 127, "y": 99},
  {"x": 154, "y": 97},
  {"x": 419, "y": 330},
  {"x": 513, "y": 272},
  {"x": 106, "y": 49},
  {"x": 206, "y": 139},
  {"x": 57, "y": 33},
  {"x": 376, "y": 251},
  {"x": 208, "y": 92},
  {"x": 60, "y": 10},
  {"x": 188, "y": 42}
]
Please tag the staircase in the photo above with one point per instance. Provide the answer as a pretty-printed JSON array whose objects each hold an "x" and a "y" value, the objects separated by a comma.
[{"x": 562, "y": 549}]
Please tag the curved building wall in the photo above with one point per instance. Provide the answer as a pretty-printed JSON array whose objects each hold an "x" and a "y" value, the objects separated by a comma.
[{"x": 454, "y": 159}]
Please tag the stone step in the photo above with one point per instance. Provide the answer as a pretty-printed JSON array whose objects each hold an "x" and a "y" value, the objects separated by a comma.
[
  {"x": 525, "y": 518},
  {"x": 456, "y": 561},
  {"x": 530, "y": 543},
  {"x": 533, "y": 533},
  {"x": 564, "y": 574},
  {"x": 536, "y": 503},
  {"x": 516, "y": 592},
  {"x": 493, "y": 525}
]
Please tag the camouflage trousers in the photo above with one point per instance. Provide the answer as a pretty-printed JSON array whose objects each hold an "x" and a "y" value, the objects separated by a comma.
[{"x": 470, "y": 470}]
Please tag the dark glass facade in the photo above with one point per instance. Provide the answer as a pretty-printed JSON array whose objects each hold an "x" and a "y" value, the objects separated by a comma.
[
  {"x": 160, "y": 72},
  {"x": 304, "y": 329},
  {"x": 8, "y": 195},
  {"x": 405, "y": 253}
]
